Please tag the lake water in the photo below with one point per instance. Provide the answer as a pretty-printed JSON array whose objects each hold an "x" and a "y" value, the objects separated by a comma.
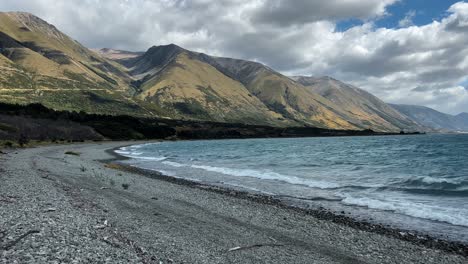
[{"x": 410, "y": 182}]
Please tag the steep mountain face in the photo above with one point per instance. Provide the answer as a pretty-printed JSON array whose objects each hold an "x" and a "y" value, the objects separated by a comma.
[
  {"x": 358, "y": 106},
  {"x": 196, "y": 90},
  {"x": 41, "y": 64},
  {"x": 224, "y": 89},
  {"x": 435, "y": 119},
  {"x": 462, "y": 121},
  {"x": 281, "y": 94}
]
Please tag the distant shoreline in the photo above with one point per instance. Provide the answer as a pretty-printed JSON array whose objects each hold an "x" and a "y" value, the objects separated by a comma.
[{"x": 20, "y": 124}]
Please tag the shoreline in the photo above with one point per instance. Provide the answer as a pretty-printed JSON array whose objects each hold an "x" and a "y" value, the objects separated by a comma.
[
  {"x": 412, "y": 236},
  {"x": 59, "y": 207}
]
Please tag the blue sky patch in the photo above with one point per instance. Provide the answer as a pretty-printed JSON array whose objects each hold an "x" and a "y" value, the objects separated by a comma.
[{"x": 422, "y": 12}]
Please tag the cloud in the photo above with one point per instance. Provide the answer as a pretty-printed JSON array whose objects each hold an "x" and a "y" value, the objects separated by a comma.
[
  {"x": 408, "y": 19},
  {"x": 410, "y": 64},
  {"x": 286, "y": 13}
]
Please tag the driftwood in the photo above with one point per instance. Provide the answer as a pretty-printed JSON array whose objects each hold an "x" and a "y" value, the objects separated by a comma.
[
  {"x": 254, "y": 246},
  {"x": 14, "y": 242}
]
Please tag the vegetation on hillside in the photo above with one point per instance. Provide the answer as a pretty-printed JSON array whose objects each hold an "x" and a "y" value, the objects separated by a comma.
[{"x": 39, "y": 123}]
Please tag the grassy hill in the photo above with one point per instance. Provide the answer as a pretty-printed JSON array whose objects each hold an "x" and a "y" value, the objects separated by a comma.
[
  {"x": 198, "y": 86},
  {"x": 358, "y": 106},
  {"x": 41, "y": 64}
]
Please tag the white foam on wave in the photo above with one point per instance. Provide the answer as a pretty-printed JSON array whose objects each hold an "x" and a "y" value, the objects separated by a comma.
[
  {"x": 173, "y": 164},
  {"x": 123, "y": 152},
  {"x": 149, "y": 158},
  {"x": 435, "y": 213},
  {"x": 431, "y": 180},
  {"x": 267, "y": 175},
  {"x": 131, "y": 152},
  {"x": 163, "y": 172}
]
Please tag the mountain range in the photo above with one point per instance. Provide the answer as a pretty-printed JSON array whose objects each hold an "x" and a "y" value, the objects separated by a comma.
[
  {"x": 431, "y": 118},
  {"x": 41, "y": 64}
]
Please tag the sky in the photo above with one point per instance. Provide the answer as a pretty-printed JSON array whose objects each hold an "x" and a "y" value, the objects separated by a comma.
[{"x": 403, "y": 51}]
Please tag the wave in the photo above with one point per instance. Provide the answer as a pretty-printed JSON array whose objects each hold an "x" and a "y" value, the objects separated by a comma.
[
  {"x": 136, "y": 155},
  {"x": 122, "y": 151},
  {"x": 149, "y": 158},
  {"x": 434, "y": 213},
  {"x": 173, "y": 164},
  {"x": 433, "y": 192},
  {"x": 268, "y": 175},
  {"x": 428, "y": 182}
]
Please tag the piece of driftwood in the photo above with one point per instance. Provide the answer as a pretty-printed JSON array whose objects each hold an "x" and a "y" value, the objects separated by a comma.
[
  {"x": 254, "y": 246},
  {"x": 14, "y": 242}
]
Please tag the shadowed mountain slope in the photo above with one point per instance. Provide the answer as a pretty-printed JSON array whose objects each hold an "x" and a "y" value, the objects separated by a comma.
[
  {"x": 435, "y": 119},
  {"x": 358, "y": 106}
]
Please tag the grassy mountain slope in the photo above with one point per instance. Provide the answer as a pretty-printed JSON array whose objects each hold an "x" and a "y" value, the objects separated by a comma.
[
  {"x": 196, "y": 90},
  {"x": 358, "y": 106},
  {"x": 434, "y": 119},
  {"x": 209, "y": 88},
  {"x": 329, "y": 102},
  {"x": 41, "y": 64}
]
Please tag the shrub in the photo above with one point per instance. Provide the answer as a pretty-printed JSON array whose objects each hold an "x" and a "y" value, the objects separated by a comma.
[
  {"x": 8, "y": 144},
  {"x": 125, "y": 186},
  {"x": 23, "y": 140}
]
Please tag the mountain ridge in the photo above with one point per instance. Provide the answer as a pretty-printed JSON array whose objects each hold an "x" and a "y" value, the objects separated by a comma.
[
  {"x": 358, "y": 105},
  {"x": 430, "y": 117}
]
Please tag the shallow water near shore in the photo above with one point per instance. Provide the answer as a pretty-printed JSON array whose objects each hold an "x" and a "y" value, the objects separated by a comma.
[{"x": 409, "y": 182}]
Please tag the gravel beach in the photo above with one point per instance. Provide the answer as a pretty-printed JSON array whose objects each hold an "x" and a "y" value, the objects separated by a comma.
[{"x": 73, "y": 208}]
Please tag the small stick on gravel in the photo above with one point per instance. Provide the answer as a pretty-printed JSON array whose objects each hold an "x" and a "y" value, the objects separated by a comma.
[
  {"x": 14, "y": 242},
  {"x": 254, "y": 246}
]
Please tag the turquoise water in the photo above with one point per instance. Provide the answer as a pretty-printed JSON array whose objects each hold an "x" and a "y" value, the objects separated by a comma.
[{"x": 412, "y": 182}]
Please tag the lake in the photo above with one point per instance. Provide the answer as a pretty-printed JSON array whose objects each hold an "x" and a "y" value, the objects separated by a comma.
[{"x": 409, "y": 182}]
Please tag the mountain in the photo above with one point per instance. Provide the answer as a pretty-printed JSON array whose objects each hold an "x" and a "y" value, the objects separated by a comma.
[
  {"x": 429, "y": 117},
  {"x": 175, "y": 79},
  {"x": 41, "y": 64},
  {"x": 204, "y": 86},
  {"x": 358, "y": 106},
  {"x": 462, "y": 120},
  {"x": 281, "y": 94}
]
